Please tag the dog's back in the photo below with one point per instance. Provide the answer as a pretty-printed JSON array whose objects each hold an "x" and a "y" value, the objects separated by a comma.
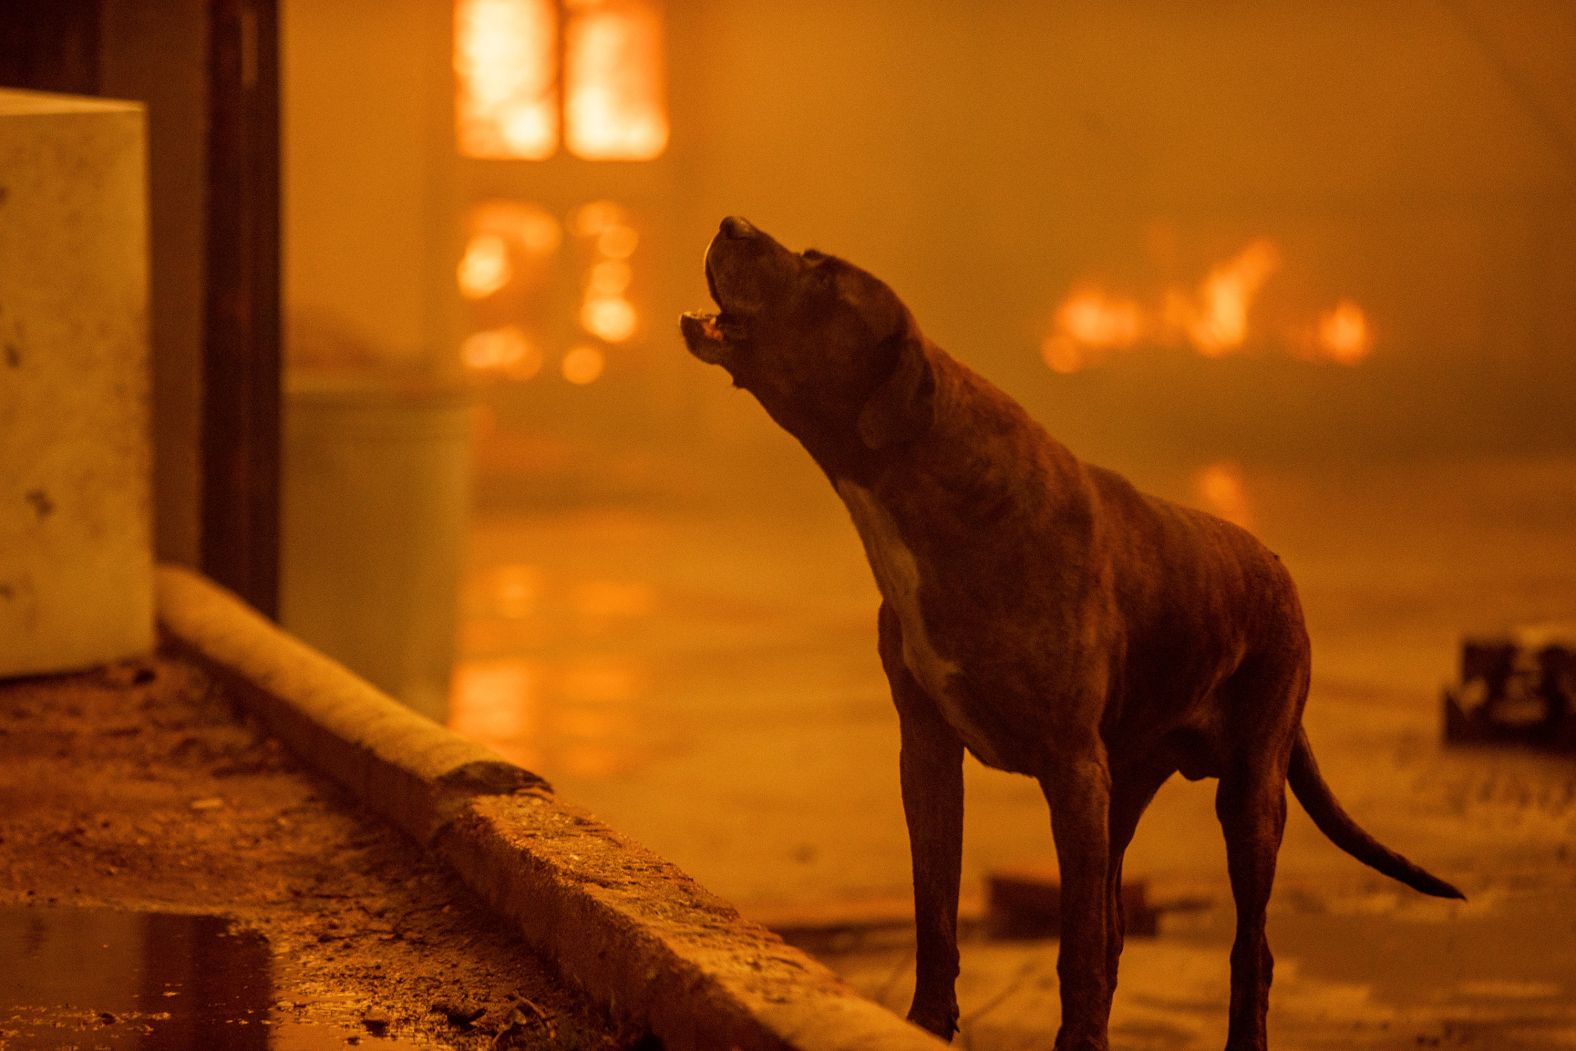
[{"x": 1018, "y": 535}]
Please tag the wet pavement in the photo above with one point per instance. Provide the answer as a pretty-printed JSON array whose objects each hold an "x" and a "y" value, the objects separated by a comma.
[
  {"x": 171, "y": 879},
  {"x": 699, "y": 670},
  {"x": 150, "y": 981}
]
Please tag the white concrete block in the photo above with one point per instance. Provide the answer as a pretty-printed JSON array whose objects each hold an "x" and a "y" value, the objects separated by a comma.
[{"x": 76, "y": 565}]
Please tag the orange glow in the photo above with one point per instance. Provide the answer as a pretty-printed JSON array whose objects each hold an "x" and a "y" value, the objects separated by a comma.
[
  {"x": 1218, "y": 322},
  {"x": 526, "y": 228},
  {"x": 609, "y": 278},
  {"x": 506, "y": 71},
  {"x": 1220, "y": 490},
  {"x": 484, "y": 268},
  {"x": 516, "y": 590},
  {"x": 509, "y": 243},
  {"x": 1343, "y": 333},
  {"x": 506, "y": 351},
  {"x": 1212, "y": 320},
  {"x": 598, "y": 599},
  {"x": 1090, "y": 321},
  {"x": 609, "y": 318},
  {"x": 1063, "y": 354},
  {"x": 1094, "y": 319},
  {"x": 600, "y": 681},
  {"x": 614, "y": 107},
  {"x": 497, "y": 701},
  {"x": 595, "y": 217},
  {"x": 583, "y": 364},
  {"x": 577, "y": 719},
  {"x": 617, "y": 241}
]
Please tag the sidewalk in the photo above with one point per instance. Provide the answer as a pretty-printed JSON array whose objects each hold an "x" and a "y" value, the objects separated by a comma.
[{"x": 134, "y": 793}]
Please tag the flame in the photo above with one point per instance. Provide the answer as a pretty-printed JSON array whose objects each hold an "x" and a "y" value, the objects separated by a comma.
[
  {"x": 606, "y": 311},
  {"x": 528, "y": 228},
  {"x": 1218, "y": 322},
  {"x": 609, "y": 318},
  {"x": 583, "y": 364},
  {"x": 1219, "y": 488},
  {"x": 614, "y": 106},
  {"x": 509, "y": 242},
  {"x": 484, "y": 268},
  {"x": 1343, "y": 334},
  {"x": 1089, "y": 322},
  {"x": 1095, "y": 319},
  {"x": 1212, "y": 319},
  {"x": 506, "y": 71}
]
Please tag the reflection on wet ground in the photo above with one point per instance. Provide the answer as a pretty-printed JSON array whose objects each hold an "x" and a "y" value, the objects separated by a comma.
[
  {"x": 1353, "y": 971},
  {"x": 702, "y": 675},
  {"x": 107, "y": 978}
]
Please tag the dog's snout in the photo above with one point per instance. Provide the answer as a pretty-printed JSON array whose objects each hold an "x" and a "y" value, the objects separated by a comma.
[{"x": 737, "y": 228}]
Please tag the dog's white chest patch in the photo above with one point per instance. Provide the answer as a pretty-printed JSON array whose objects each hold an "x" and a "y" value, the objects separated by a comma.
[{"x": 897, "y": 575}]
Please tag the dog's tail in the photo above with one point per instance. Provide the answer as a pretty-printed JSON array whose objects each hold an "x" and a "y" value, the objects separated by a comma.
[{"x": 1320, "y": 803}]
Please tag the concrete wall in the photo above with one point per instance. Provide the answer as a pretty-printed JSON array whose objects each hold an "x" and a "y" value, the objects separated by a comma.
[{"x": 76, "y": 567}]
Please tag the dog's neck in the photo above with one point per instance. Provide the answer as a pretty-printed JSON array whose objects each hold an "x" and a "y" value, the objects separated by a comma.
[{"x": 967, "y": 407}]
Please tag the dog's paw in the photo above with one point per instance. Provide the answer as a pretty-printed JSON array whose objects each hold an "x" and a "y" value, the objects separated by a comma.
[{"x": 943, "y": 1022}]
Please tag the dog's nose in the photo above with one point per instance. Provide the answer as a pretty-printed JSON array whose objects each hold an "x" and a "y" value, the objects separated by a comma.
[{"x": 735, "y": 227}]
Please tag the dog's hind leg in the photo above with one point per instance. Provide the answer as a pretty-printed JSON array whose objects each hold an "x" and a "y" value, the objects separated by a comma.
[
  {"x": 1078, "y": 789},
  {"x": 1131, "y": 792},
  {"x": 1251, "y": 805},
  {"x": 1264, "y": 708},
  {"x": 931, "y": 766}
]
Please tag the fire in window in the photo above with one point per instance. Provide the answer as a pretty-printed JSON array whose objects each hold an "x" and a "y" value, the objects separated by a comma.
[
  {"x": 518, "y": 271},
  {"x": 515, "y": 99}
]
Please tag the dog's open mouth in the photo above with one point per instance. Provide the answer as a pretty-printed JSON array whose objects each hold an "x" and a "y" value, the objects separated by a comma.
[
  {"x": 713, "y": 336},
  {"x": 704, "y": 325},
  {"x": 710, "y": 335}
]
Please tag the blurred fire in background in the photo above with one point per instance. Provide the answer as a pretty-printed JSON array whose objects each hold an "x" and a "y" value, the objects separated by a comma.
[
  {"x": 511, "y": 102},
  {"x": 508, "y": 89},
  {"x": 506, "y": 73},
  {"x": 516, "y": 257},
  {"x": 1214, "y": 319}
]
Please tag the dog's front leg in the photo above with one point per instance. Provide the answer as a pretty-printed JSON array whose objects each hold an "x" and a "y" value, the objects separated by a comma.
[
  {"x": 1078, "y": 790},
  {"x": 931, "y": 766}
]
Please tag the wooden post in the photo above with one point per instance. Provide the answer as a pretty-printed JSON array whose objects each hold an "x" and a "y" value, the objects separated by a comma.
[{"x": 241, "y": 356}]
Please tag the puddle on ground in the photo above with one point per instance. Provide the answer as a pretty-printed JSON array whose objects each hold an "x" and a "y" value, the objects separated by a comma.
[{"x": 112, "y": 979}]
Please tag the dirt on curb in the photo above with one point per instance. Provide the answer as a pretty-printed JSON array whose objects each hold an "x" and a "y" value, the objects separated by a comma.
[{"x": 138, "y": 787}]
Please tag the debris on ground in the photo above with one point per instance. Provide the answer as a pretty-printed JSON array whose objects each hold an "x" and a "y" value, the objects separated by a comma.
[{"x": 138, "y": 787}]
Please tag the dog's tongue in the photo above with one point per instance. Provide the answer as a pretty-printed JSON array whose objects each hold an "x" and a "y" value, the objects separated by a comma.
[
  {"x": 704, "y": 335},
  {"x": 708, "y": 325}
]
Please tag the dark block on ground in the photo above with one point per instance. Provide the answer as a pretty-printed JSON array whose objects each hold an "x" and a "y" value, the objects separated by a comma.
[{"x": 1027, "y": 903}]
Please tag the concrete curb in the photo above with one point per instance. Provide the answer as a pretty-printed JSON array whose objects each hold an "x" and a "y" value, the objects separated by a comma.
[{"x": 631, "y": 930}]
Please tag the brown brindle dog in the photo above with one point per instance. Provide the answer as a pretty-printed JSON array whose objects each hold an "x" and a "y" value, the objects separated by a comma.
[{"x": 1042, "y": 614}]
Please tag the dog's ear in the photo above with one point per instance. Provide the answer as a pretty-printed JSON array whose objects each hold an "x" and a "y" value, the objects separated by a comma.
[{"x": 904, "y": 405}]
